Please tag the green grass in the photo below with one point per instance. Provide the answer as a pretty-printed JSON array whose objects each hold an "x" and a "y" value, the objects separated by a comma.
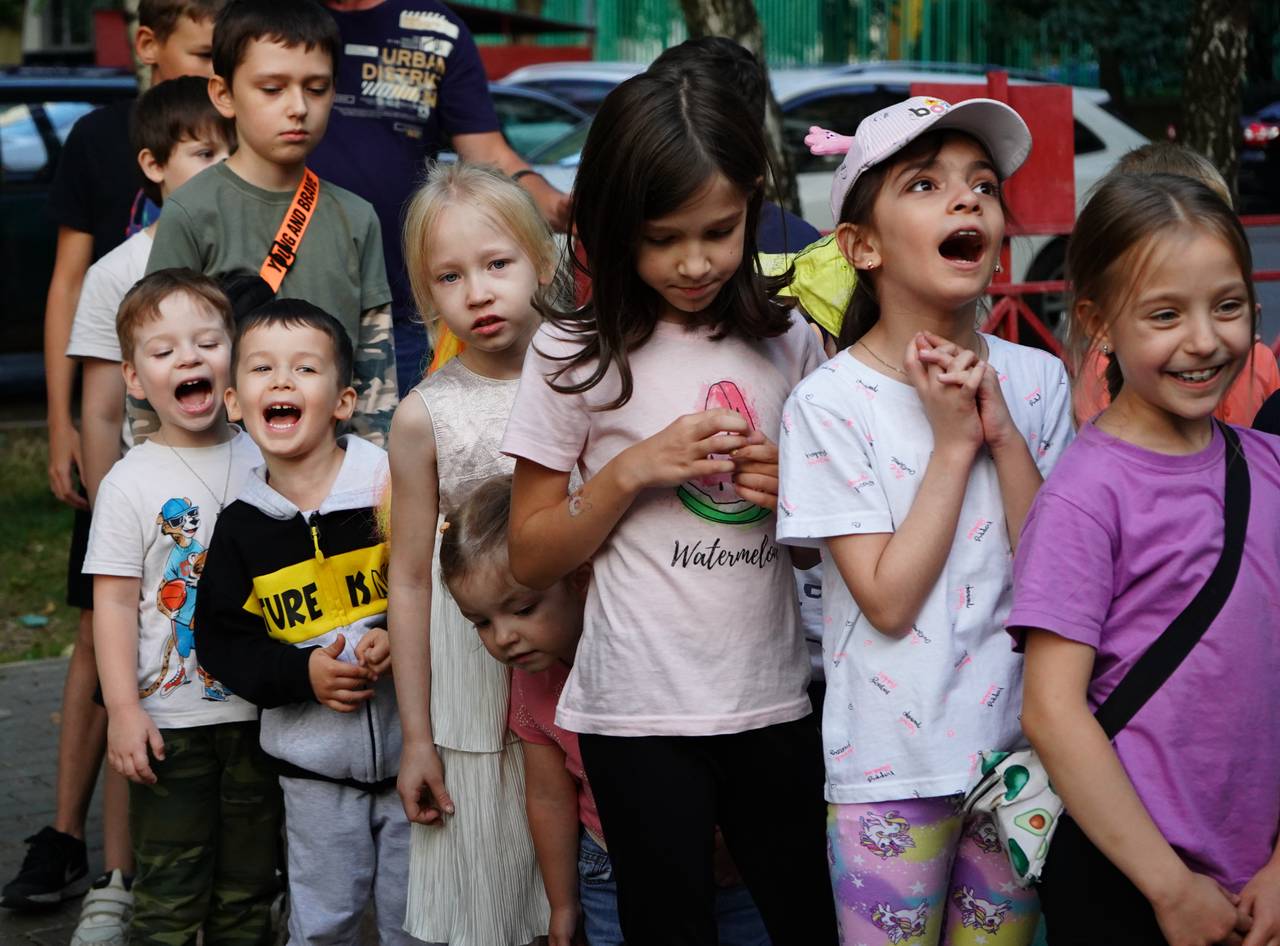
[{"x": 35, "y": 531}]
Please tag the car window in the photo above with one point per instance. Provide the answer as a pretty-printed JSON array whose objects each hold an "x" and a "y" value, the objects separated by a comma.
[
  {"x": 838, "y": 110},
  {"x": 25, "y": 136},
  {"x": 587, "y": 94},
  {"x": 530, "y": 124},
  {"x": 566, "y": 149},
  {"x": 1086, "y": 142}
]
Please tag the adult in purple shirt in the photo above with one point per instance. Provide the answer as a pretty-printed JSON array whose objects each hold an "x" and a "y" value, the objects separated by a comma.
[{"x": 410, "y": 79}]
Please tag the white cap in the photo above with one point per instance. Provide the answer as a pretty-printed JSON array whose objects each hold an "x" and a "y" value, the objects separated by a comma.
[{"x": 886, "y": 132}]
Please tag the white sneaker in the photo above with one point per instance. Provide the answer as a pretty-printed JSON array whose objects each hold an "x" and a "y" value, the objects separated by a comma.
[{"x": 105, "y": 913}]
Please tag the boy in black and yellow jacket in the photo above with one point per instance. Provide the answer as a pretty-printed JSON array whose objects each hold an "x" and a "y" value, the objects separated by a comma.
[{"x": 292, "y": 617}]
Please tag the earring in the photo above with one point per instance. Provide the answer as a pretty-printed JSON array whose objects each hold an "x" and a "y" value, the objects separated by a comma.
[
  {"x": 999, "y": 268},
  {"x": 871, "y": 265},
  {"x": 1106, "y": 349}
]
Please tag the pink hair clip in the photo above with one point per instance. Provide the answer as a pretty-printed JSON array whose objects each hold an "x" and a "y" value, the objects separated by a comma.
[{"x": 822, "y": 141}]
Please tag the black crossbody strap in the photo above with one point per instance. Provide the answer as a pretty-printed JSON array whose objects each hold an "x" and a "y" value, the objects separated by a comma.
[{"x": 1162, "y": 658}]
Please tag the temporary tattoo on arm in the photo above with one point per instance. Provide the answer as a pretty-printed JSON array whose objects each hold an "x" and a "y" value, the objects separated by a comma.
[{"x": 578, "y": 503}]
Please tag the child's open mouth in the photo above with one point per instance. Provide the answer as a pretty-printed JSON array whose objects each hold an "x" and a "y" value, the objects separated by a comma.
[
  {"x": 963, "y": 246},
  {"x": 194, "y": 396},
  {"x": 488, "y": 325},
  {"x": 282, "y": 416}
]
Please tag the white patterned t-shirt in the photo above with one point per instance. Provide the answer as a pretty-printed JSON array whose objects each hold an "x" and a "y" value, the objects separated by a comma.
[{"x": 907, "y": 717}]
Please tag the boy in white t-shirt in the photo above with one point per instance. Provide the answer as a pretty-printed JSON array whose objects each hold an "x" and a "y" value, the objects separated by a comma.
[
  {"x": 176, "y": 133},
  {"x": 203, "y": 807}
]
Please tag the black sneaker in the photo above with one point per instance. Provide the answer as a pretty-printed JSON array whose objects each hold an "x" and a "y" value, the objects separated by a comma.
[{"x": 56, "y": 868}]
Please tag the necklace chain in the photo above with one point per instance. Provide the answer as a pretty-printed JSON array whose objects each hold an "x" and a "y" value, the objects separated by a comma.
[
  {"x": 982, "y": 346},
  {"x": 226, "y": 483},
  {"x": 867, "y": 349}
]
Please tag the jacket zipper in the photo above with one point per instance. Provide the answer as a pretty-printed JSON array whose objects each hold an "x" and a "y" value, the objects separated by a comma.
[{"x": 322, "y": 572}]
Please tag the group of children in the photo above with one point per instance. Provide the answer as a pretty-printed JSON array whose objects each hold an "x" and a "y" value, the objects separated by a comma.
[{"x": 537, "y": 669}]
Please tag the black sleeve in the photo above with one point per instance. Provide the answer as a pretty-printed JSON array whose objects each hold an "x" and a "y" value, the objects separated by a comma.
[
  {"x": 1268, "y": 419},
  {"x": 232, "y": 643},
  {"x": 70, "y": 200}
]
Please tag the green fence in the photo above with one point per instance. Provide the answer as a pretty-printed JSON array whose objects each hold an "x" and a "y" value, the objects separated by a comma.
[{"x": 814, "y": 32}]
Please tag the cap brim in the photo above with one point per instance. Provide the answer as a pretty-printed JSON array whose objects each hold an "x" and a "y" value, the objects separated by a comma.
[{"x": 996, "y": 125}]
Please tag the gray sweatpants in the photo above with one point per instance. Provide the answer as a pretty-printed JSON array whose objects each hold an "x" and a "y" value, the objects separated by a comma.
[{"x": 346, "y": 847}]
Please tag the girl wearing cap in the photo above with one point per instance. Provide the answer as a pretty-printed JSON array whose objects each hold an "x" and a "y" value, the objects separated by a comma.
[{"x": 911, "y": 459}]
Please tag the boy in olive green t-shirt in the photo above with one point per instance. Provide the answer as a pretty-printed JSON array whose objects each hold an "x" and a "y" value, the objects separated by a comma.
[{"x": 274, "y": 63}]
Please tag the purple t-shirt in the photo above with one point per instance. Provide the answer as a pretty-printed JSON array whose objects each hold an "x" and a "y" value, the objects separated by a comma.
[
  {"x": 409, "y": 76},
  {"x": 1117, "y": 543}
]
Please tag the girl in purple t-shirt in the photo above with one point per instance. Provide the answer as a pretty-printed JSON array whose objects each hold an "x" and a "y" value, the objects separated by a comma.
[{"x": 1172, "y": 825}]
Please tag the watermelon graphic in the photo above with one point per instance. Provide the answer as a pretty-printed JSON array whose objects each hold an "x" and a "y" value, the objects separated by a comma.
[{"x": 713, "y": 497}]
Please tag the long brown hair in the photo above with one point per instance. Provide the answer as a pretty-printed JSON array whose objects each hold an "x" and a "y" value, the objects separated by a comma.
[
  {"x": 655, "y": 143},
  {"x": 863, "y": 310},
  {"x": 1112, "y": 241}
]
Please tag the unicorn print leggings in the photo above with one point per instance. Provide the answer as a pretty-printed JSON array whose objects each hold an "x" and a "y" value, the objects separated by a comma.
[{"x": 916, "y": 873}]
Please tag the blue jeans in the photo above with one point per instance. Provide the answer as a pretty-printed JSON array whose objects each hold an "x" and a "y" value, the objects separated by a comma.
[{"x": 737, "y": 919}]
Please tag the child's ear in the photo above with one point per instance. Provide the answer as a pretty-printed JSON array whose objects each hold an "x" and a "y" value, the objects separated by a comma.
[
  {"x": 152, "y": 169},
  {"x": 1089, "y": 317},
  {"x": 232, "y": 403},
  {"x": 131, "y": 382},
  {"x": 858, "y": 246},
  {"x": 346, "y": 404},
  {"x": 220, "y": 95},
  {"x": 147, "y": 46}
]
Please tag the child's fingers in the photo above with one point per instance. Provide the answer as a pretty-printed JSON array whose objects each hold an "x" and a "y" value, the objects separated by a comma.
[
  {"x": 765, "y": 500},
  {"x": 757, "y": 452},
  {"x": 759, "y": 482},
  {"x": 709, "y": 468},
  {"x": 757, "y": 468},
  {"x": 156, "y": 742},
  {"x": 141, "y": 767},
  {"x": 719, "y": 443},
  {"x": 706, "y": 423}
]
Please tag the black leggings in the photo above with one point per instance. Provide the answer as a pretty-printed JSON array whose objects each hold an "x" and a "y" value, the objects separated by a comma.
[
  {"x": 660, "y": 799},
  {"x": 1087, "y": 901}
]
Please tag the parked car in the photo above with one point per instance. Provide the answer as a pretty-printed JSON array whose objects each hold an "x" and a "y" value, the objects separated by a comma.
[
  {"x": 839, "y": 98},
  {"x": 38, "y": 106},
  {"x": 1260, "y": 159}
]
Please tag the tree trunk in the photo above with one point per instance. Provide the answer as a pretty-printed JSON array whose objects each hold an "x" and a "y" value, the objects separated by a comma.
[
  {"x": 737, "y": 20},
  {"x": 1211, "y": 89}
]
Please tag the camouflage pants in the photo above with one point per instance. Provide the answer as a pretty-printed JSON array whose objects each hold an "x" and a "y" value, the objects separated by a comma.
[{"x": 206, "y": 840}]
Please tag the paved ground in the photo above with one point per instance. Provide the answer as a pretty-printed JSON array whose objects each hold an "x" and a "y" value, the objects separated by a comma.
[{"x": 30, "y": 694}]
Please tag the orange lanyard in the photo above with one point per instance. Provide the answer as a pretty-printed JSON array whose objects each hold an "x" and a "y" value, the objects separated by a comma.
[{"x": 284, "y": 248}]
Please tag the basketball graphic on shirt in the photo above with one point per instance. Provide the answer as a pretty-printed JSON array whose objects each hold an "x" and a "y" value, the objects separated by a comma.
[
  {"x": 173, "y": 594},
  {"x": 713, "y": 497}
]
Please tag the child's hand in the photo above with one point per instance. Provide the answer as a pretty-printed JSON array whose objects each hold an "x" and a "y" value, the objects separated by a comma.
[
  {"x": 421, "y": 784},
  {"x": 949, "y": 396},
  {"x": 339, "y": 686},
  {"x": 1199, "y": 913},
  {"x": 683, "y": 450},
  {"x": 756, "y": 475},
  {"x": 564, "y": 929},
  {"x": 130, "y": 732},
  {"x": 1260, "y": 899},
  {"x": 374, "y": 652},
  {"x": 998, "y": 428}
]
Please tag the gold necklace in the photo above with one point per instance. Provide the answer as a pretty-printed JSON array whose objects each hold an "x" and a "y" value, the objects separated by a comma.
[{"x": 867, "y": 349}]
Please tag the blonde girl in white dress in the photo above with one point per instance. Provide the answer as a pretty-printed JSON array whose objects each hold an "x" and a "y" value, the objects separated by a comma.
[{"x": 478, "y": 252}]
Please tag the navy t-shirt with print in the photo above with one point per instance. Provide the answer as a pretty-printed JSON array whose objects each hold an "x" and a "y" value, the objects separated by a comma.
[{"x": 409, "y": 77}]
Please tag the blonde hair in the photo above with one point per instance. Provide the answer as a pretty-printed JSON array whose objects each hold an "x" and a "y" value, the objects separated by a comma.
[
  {"x": 488, "y": 191},
  {"x": 1165, "y": 157}
]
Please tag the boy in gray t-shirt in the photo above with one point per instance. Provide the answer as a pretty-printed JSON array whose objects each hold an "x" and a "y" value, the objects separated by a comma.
[{"x": 274, "y": 63}]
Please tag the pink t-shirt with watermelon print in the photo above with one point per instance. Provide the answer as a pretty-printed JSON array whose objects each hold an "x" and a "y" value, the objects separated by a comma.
[{"x": 691, "y": 625}]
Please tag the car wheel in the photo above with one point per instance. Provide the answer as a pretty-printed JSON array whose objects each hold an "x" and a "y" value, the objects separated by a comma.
[{"x": 1049, "y": 307}]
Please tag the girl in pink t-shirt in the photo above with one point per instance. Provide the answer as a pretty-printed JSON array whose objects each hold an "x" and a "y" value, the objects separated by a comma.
[
  {"x": 665, "y": 390},
  {"x": 1172, "y": 827},
  {"x": 536, "y": 634}
]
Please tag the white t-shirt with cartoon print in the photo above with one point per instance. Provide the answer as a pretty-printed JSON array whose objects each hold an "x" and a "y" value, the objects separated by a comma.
[
  {"x": 153, "y": 519},
  {"x": 907, "y": 717}
]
